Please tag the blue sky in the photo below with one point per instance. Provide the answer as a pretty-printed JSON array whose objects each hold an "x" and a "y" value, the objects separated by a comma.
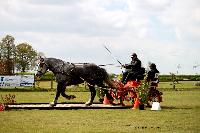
[{"x": 165, "y": 32}]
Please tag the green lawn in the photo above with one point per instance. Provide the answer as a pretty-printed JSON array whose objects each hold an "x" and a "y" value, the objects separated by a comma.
[
  {"x": 180, "y": 113},
  {"x": 181, "y": 85}
]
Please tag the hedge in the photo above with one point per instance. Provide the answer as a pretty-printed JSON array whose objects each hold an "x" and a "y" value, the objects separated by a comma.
[{"x": 163, "y": 78}]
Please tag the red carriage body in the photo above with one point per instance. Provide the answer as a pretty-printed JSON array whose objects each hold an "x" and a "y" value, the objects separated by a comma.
[{"x": 129, "y": 92}]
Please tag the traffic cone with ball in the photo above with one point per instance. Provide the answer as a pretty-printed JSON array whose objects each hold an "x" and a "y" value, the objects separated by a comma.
[
  {"x": 106, "y": 101},
  {"x": 136, "y": 103}
]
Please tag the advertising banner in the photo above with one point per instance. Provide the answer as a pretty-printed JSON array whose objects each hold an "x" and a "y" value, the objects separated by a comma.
[{"x": 14, "y": 81}]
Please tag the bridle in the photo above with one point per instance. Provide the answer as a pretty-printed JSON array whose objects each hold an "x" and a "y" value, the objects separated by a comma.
[{"x": 41, "y": 65}]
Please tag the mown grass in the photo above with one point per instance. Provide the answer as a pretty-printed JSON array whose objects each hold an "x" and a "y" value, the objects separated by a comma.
[
  {"x": 181, "y": 85},
  {"x": 180, "y": 113}
]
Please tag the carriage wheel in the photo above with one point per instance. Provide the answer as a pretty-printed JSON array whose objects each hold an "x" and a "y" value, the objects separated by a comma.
[{"x": 124, "y": 97}]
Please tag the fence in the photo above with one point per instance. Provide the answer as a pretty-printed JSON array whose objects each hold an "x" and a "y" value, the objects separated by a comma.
[{"x": 47, "y": 82}]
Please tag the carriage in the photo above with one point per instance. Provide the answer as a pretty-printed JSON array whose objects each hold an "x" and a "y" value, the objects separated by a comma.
[{"x": 134, "y": 91}]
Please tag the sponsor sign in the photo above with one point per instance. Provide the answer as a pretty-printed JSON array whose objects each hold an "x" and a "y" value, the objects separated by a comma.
[{"x": 14, "y": 81}]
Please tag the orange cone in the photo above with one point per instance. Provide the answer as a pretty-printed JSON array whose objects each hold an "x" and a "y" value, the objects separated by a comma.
[
  {"x": 106, "y": 101},
  {"x": 136, "y": 103}
]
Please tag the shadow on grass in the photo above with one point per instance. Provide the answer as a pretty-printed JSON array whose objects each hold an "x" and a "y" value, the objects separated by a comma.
[
  {"x": 179, "y": 89},
  {"x": 173, "y": 107}
]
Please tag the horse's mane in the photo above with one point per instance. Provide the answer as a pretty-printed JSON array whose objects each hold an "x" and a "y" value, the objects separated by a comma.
[{"x": 57, "y": 65}]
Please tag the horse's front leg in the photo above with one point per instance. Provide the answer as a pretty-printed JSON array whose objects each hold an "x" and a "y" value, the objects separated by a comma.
[
  {"x": 92, "y": 96},
  {"x": 58, "y": 91}
]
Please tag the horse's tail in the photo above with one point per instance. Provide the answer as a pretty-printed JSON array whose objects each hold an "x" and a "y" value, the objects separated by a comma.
[
  {"x": 110, "y": 84},
  {"x": 98, "y": 73},
  {"x": 108, "y": 81}
]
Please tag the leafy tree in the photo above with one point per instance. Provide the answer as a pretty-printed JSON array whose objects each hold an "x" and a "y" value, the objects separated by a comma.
[
  {"x": 7, "y": 55},
  {"x": 26, "y": 57},
  {"x": 7, "y": 46}
]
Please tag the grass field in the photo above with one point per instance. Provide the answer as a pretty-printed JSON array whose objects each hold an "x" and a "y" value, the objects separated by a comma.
[{"x": 180, "y": 113}]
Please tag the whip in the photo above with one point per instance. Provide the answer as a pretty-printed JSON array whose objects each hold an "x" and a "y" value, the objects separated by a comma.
[{"x": 112, "y": 55}]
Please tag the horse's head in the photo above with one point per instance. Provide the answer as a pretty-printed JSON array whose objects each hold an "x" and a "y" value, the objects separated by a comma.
[{"x": 42, "y": 68}]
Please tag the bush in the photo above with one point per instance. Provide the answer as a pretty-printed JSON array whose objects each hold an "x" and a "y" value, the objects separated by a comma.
[
  {"x": 24, "y": 73},
  {"x": 165, "y": 78},
  {"x": 197, "y": 84},
  {"x": 47, "y": 76}
]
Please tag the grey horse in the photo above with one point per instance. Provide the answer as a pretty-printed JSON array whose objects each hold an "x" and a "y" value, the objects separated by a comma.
[{"x": 67, "y": 73}]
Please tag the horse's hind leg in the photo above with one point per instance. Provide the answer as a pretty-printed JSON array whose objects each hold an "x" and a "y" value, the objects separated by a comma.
[
  {"x": 65, "y": 95},
  {"x": 93, "y": 94}
]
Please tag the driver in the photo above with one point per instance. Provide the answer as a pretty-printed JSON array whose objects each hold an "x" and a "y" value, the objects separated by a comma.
[{"x": 132, "y": 70}]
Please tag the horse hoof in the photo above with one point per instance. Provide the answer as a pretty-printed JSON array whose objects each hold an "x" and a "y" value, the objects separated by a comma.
[
  {"x": 101, "y": 100},
  {"x": 52, "y": 104},
  {"x": 123, "y": 104},
  {"x": 72, "y": 96},
  {"x": 88, "y": 103}
]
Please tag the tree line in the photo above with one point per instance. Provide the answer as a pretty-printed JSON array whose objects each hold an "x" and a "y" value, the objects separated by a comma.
[{"x": 21, "y": 57}]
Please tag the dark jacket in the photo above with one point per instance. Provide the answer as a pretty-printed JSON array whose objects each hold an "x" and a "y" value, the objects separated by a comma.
[
  {"x": 134, "y": 66},
  {"x": 152, "y": 75}
]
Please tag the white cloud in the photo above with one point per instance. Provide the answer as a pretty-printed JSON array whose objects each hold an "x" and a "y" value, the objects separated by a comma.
[
  {"x": 183, "y": 17},
  {"x": 160, "y": 31}
]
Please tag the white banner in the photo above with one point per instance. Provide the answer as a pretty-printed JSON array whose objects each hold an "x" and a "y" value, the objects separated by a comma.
[{"x": 14, "y": 81}]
